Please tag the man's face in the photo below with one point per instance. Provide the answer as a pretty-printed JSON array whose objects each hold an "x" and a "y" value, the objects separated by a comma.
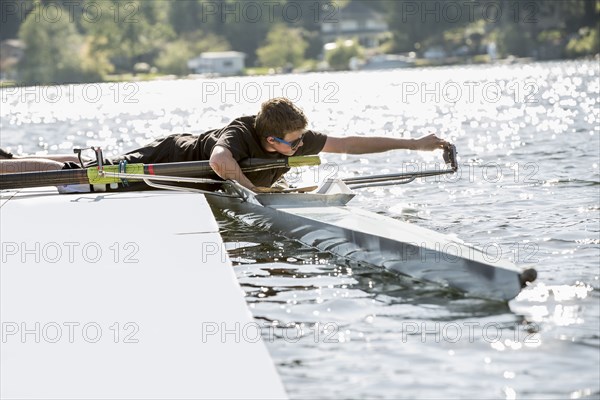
[{"x": 290, "y": 143}]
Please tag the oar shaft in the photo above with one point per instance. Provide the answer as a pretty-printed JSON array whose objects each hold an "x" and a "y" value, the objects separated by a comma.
[
  {"x": 184, "y": 169},
  {"x": 202, "y": 168},
  {"x": 395, "y": 177},
  {"x": 43, "y": 178}
]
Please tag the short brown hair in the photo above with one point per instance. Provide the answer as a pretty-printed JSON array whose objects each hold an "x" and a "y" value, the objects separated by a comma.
[{"x": 279, "y": 116}]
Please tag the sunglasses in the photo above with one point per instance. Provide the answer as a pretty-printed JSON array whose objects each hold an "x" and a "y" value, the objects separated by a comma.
[{"x": 293, "y": 144}]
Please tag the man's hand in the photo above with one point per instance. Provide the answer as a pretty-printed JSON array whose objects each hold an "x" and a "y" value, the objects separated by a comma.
[
  {"x": 224, "y": 165},
  {"x": 430, "y": 142}
]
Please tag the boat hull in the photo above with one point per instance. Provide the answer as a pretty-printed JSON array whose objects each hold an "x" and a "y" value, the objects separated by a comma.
[{"x": 382, "y": 241}]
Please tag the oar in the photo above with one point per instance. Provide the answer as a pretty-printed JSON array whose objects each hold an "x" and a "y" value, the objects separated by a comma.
[
  {"x": 91, "y": 175},
  {"x": 404, "y": 177},
  {"x": 392, "y": 179}
]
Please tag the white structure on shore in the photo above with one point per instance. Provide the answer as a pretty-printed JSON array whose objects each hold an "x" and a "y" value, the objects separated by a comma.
[{"x": 219, "y": 63}]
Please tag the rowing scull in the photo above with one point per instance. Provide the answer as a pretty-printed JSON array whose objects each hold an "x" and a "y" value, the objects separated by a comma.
[{"x": 324, "y": 220}]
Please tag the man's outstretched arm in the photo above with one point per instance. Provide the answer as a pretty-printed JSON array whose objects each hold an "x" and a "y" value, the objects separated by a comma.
[
  {"x": 365, "y": 144},
  {"x": 223, "y": 163}
]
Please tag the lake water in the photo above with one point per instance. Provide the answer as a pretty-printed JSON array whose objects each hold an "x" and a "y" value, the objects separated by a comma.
[{"x": 528, "y": 138}]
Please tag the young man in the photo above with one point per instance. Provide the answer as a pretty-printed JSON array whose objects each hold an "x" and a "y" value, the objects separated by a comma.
[{"x": 278, "y": 129}]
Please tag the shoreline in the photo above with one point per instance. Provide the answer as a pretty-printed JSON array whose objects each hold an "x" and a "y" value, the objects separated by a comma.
[{"x": 265, "y": 71}]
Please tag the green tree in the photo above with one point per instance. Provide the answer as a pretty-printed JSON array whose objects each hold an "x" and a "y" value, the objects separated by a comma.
[
  {"x": 411, "y": 26},
  {"x": 587, "y": 43},
  {"x": 200, "y": 41},
  {"x": 244, "y": 30},
  {"x": 175, "y": 55},
  {"x": 339, "y": 57},
  {"x": 129, "y": 31},
  {"x": 511, "y": 41},
  {"x": 12, "y": 17},
  {"x": 284, "y": 46},
  {"x": 55, "y": 53},
  {"x": 184, "y": 15}
]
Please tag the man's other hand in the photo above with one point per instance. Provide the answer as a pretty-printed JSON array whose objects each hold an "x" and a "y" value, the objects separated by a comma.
[{"x": 430, "y": 142}]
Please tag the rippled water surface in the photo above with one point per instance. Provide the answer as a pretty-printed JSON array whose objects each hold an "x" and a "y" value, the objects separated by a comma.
[{"x": 528, "y": 189}]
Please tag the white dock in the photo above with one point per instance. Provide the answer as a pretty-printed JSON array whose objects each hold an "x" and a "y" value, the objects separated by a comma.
[{"x": 127, "y": 295}]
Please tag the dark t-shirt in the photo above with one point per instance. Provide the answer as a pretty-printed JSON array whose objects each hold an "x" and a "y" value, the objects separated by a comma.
[{"x": 239, "y": 137}]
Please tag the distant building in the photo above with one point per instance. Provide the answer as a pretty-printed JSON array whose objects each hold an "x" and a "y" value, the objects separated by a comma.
[
  {"x": 11, "y": 53},
  {"x": 219, "y": 63},
  {"x": 356, "y": 21},
  {"x": 386, "y": 61},
  {"x": 435, "y": 53}
]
